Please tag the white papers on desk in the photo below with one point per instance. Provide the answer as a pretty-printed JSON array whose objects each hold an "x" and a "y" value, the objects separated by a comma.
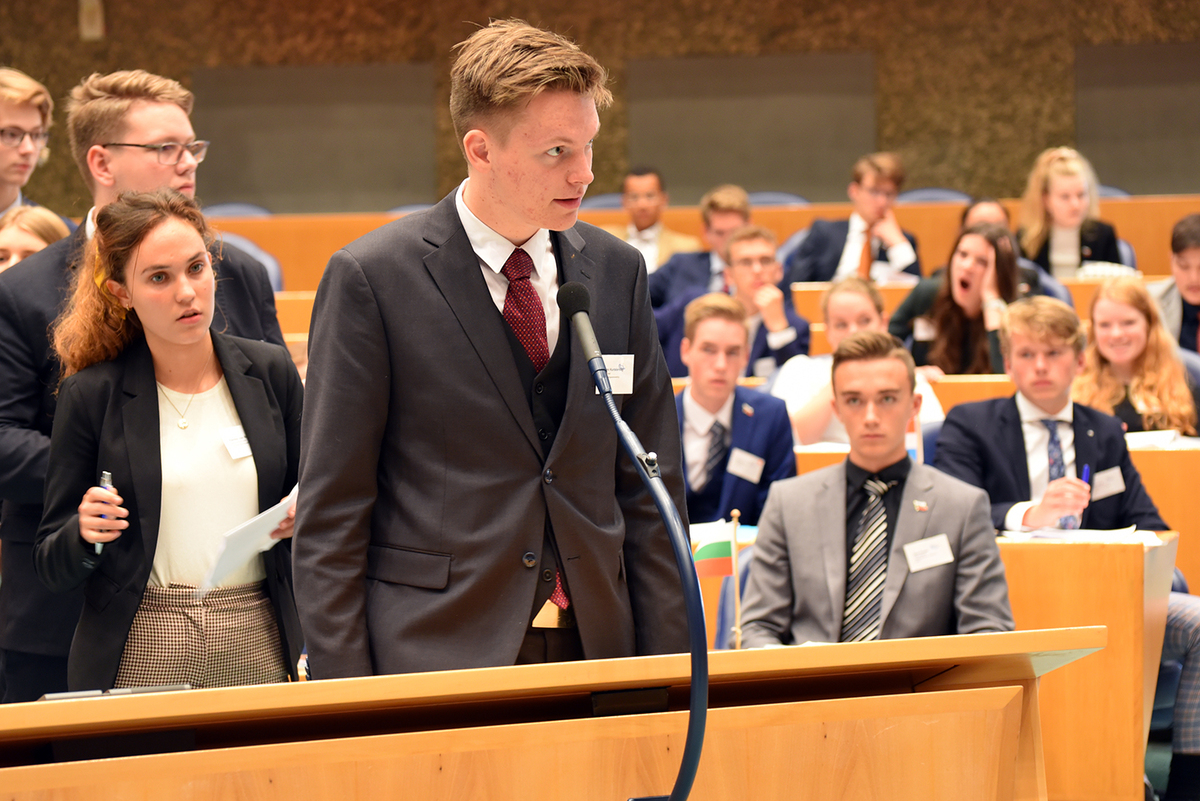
[
  {"x": 1129, "y": 535},
  {"x": 242, "y": 543},
  {"x": 1151, "y": 439}
]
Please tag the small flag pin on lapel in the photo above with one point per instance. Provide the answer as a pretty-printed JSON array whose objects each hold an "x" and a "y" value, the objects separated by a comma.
[
  {"x": 747, "y": 410},
  {"x": 920, "y": 506}
]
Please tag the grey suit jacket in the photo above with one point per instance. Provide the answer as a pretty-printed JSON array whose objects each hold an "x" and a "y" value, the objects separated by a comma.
[
  {"x": 796, "y": 591},
  {"x": 424, "y": 489},
  {"x": 1170, "y": 304}
]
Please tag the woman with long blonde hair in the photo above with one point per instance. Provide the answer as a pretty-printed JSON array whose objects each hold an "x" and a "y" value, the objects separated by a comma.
[
  {"x": 1059, "y": 227},
  {"x": 166, "y": 435},
  {"x": 1130, "y": 368}
]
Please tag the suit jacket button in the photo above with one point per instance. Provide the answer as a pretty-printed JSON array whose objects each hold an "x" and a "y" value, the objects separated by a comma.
[
  {"x": 529, "y": 559},
  {"x": 548, "y": 476},
  {"x": 539, "y": 388},
  {"x": 542, "y": 434},
  {"x": 547, "y": 575}
]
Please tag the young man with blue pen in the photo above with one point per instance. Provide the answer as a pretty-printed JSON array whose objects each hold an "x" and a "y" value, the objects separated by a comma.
[
  {"x": 1026, "y": 451},
  {"x": 1045, "y": 461}
]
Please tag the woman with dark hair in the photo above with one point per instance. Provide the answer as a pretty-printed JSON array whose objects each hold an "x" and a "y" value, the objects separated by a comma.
[
  {"x": 953, "y": 317},
  {"x": 166, "y": 435}
]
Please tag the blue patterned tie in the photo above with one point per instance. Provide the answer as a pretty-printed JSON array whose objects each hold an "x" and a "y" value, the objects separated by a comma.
[{"x": 1058, "y": 467}]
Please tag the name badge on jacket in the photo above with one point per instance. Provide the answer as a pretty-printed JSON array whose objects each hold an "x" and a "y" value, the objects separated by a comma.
[
  {"x": 1107, "y": 483},
  {"x": 927, "y": 553},
  {"x": 620, "y": 372},
  {"x": 744, "y": 464}
]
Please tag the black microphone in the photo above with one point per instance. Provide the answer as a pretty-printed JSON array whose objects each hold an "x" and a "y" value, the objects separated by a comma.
[{"x": 574, "y": 301}]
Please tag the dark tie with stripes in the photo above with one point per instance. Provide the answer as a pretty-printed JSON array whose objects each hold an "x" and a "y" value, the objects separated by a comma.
[
  {"x": 716, "y": 451},
  {"x": 868, "y": 568}
]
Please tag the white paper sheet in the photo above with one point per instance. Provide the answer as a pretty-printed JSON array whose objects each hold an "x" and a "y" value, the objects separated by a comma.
[{"x": 244, "y": 542}]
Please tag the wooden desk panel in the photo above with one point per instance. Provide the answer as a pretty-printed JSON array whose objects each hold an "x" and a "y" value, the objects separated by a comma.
[
  {"x": 952, "y": 390},
  {"x": 807, "y": 297},
  {"x": 1170, "y": 479},
  {"x": 1095, "y": 715},
  {"x": 294, "y": 310}
]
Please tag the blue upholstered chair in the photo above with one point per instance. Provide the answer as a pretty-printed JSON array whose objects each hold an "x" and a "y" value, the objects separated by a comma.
[
  {"x": 933, "y": 194},
  {"x": 777, "y": 199},
  {"x": 236, "y": 210},
  {"x": 610, "y": 200}
]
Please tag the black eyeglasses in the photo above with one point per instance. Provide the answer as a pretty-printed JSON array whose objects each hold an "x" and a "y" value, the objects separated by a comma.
[
  {"x": 13, "y": 137},
  {"x": 170, "y": 153}
]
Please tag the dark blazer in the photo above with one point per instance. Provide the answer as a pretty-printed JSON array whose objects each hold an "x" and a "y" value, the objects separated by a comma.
[
  {"x": 427, "y": 492},
  {"x": 1097, "y": 242},
  {"x": 32, "y": 293},
  {"x": 671, "y": 329},
  {"x": 683, "y": 273},
  {"x": 982, "y": 443},
  {"x": 818, "y": 256},
  {"x": 760, "y": 426},
  {"x": 107, "y": 417}
]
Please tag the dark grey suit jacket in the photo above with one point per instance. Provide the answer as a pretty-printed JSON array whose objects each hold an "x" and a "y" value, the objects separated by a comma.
[
  {"x": 424, "y": 488},
  {"x": 797, "y": 587}
]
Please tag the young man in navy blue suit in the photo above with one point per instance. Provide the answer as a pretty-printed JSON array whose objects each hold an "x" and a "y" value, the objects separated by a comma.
[
  {"x": 838, "y": 249},
  {"x": 1047, "y": 462},
  {"x": 777, "y": 333},
  {"x": 736, "y": 441},
  {"x": 724, "y": 210}
]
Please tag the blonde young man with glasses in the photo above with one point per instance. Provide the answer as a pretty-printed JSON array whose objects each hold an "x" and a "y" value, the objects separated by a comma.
[
  {"x": 129, "y": 131},
  {"x": 26, "y": 110}
]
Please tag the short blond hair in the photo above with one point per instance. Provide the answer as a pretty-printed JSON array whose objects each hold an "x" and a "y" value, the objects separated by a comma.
[
  {"x": 505, "y": 65},
  {"x": 37, "y": 220},
  {"x": 726, "y": 197},
  {"x": 1043, "y": 319},
  {"x": 887, "y": 166},
  {"x": 97, "y": 107},
  {"x": 19, "y": 89},
  {"x": 713, "y": 305},
  {"x": 748, "y": 233},
  {"x": 852, "y": 286},
  {"x": 864, "y": 346}
]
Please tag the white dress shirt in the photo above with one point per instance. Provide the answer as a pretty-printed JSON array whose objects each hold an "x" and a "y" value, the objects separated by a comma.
[
  {"x": 1037, "y": 455},
  {"x": 716, "y": 268},
  {"x": 493, "y": 251},
  {"x": 646, "y": 242},
  {"x": 697, "y": 436},
  {"x": 1064, "y": 252},
  {"x": 899, "y": 255}
]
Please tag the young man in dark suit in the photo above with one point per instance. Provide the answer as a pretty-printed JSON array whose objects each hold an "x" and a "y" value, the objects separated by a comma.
[
  {"x": 752, "y": 276},
  {"x": 476, "y": 509},
  {"x": 1047, "y": 462},
  {"x": 874, "y": 547},
  {"x": 129, "y": 131},
  {"x": 724, "y": 209},
  {"x": 736, "y": 441},
  {"x": 870, "y": 244},
  {"x": 26, "y": 114}
]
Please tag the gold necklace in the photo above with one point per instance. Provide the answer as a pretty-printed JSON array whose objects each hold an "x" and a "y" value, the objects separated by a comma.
[{"x": 183, "y": 423}]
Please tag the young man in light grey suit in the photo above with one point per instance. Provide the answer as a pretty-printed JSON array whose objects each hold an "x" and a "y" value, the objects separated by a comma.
[
  {"x": 464, "y": 500},
  {"x": 875, "y": 547}
]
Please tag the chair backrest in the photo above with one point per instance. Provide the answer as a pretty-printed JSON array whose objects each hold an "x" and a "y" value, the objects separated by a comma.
[
  {"x": 1128, "y": 257},
  {"x": 609, "y": 200},
  {"x": 790, "y": 246},
  {"x": 274, "y": 271},
  {"x": 776, "y": 199},
  {"x": 933, "y": 194},
  {"x": 1111, "y": 191},
  {"x": 236, "y": 210},
  {"x": 1191, "y": 362},
  {"x": 407, "y": 209},
  {"x": 930, "y": 433},
  {"x": 723, "y": 640}
]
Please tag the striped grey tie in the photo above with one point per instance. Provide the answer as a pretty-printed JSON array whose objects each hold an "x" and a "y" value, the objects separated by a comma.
[
  {"x": 868, "y": 568},
  {"x": 716, "y": 451}
]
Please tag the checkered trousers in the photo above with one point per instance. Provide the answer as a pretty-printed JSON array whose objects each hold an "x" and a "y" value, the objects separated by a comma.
[{"x": 226, "y": 637}]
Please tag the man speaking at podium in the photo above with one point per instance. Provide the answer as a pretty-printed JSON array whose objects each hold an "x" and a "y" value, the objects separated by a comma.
[{"x": 464, "y": 500}]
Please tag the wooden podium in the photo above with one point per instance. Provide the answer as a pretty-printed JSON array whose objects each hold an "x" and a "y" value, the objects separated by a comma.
[
  {"x": 1096, "y": 714},
  {"x": 933, "y": 718}
]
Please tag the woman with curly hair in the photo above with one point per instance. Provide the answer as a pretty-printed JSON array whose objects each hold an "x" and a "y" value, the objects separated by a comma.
[{"x": 1130, "y": 367}]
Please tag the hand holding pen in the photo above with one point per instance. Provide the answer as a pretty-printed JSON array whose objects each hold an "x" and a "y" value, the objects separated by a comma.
[{"x": 101, "y": 517}]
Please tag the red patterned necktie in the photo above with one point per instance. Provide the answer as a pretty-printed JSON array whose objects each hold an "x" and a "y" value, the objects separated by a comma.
[
  {"x": 523, "y": 308},
  {"x": 524, "y": 313}
]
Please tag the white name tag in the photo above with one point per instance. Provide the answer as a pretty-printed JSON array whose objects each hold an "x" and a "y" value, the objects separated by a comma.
[
  {"x": 744, "y": 464},
  {"x": 620, "y": 372},
  {"x": 923, "y": 330},
  {"x": 927, "y": 553},
  {"x": 1107, "y": 483},
  {"x": 236, "y": 442},
  {"x": 765, "y": 366}
]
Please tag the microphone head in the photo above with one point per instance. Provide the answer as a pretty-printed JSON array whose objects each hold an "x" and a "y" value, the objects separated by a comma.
[{"x": 573, "y": 297}]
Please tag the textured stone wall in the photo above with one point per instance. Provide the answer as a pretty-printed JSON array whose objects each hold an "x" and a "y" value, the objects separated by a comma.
[{"x": 967, "y": 91}]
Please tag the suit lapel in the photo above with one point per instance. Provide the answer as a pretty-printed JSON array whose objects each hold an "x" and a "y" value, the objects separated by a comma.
[
  {"x": 254, "y": 410},
  {"x": 1085, "y": 451},
  {"x": 741, "y": 437},
  {"x": 139, "y": 418},
  {"x": 911, "y": 526},
  {"x": 455, "y": 269},
  {"x": 573, "y": 265},
  {"x": 1012, "y": 444},
  {"x": 687, "y": 484},
  {"x": 830, "y": 515}
]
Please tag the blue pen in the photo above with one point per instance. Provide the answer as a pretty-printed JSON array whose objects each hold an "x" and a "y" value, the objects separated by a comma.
[
  {"x": 1087, "y": 473},
  {"x": 105, "y": 483}
]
